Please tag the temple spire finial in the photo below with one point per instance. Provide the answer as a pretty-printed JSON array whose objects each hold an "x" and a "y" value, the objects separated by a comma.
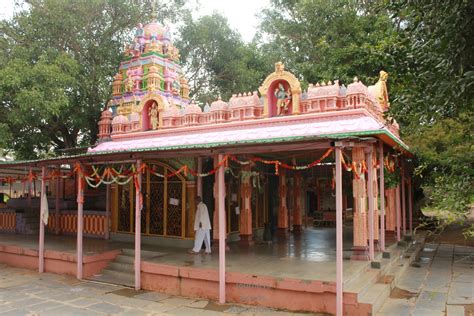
[{"x": 154, "y": 11}]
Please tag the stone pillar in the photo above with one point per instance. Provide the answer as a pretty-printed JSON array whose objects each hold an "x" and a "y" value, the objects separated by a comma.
[
  {"x": 246, "y": 232},
  {"x": 215, "y": 217},
  {"x": 360, "y": 248},
  {"x": 282, "y": 208},
  {"x": 297, "y": 216}
]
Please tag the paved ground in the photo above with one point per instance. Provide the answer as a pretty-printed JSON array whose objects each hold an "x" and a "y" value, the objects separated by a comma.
[
  {"x": 440, "y": 283},
  {"x": 25, "y": 292}
]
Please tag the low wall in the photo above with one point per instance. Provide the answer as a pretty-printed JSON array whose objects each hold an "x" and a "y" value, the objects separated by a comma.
[
  {"x": 291, "y": 294},
  {"x": 55, "y": 261}
]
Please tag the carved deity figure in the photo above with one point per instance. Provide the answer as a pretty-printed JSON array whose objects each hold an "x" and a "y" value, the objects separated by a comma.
[
  {"x": 129, "y": 84},
  {"x": 381, "y": 90},
  {"x": 176, "y": 87},
  {"x": 283, "y": 99},
  {"x": 153, "y": 113},
  {"x": 279, "y": 67}
]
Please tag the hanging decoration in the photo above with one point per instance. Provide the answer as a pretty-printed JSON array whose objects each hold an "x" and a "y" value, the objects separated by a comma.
[
  {"x": 278, "y": 164},
  {"x": 123, "y": 175}
]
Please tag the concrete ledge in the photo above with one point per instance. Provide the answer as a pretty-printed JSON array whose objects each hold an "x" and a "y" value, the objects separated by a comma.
[
  {"x": 291, "y": 294},
  {"x": 55, "y": 261}
]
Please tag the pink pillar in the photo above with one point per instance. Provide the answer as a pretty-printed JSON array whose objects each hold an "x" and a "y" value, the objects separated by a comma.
[
  {"x": 217, "y": 197},
  {"x": 29, "y": 188},
  {"x": 138, "y": 208},
  {"x": 107, "y": 212},
  {"x": 297, "y": 216},
  {"x": 382, "y": 199},
  {"x": 80, "y": 222},
  {"x": 199, "y": 179},
  {"x": 397, "y": 210},
  {"x": 57, "y": 212},
  {"x": 41, "y": 224},
  {"x": 404, "y": 213},
  {"x": 282, "y": 208},
  {"x": 359, "y": 191},
  {"x": 370, "y": 189},
  {"x": 410, "y": 204},
  {"x": 222, "y": 230},
  {"x": 245, "y": 218},
  {"x": 339, "y": 235}
]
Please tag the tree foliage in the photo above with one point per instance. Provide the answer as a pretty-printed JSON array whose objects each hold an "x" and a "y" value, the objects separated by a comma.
[
  {"x": 217, "y": 61},
  {"x": 433, "y": 96},
  {"x": 56, "y": 68},
  {"x": 327, "y": 40}
]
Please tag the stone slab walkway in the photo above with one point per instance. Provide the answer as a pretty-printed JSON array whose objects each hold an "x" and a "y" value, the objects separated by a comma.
[
  {"x": 26, "y": 292},
  {"x": 441, "y": 282}
]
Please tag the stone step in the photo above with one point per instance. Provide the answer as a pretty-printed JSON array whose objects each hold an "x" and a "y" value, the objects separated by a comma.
[
  {"x": 376, "y": 296},
  {"x": 118, "y": 277},
  {"x": 121, "y": 267},
  {"x": 113, "y": 277},
  {"x": 125, "y": 259},
  {"x": 365, "y": 280}
]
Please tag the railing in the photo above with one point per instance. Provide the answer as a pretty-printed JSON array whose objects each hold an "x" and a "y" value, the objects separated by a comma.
[
  {"x": 7, "y": 220},
  {"x": 94, "y": 222}
]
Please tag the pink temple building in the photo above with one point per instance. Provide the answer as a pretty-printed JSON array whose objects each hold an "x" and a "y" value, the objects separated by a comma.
[{"x": 293, "y": 180}]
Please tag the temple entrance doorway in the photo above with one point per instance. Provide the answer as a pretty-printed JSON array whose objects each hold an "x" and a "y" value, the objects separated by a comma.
[{"x": 164, "y": 203}]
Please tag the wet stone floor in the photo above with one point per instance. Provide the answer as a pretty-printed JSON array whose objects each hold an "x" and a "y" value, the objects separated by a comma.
[
  {"x": 440, "y": 282},
  {"x": 26, "y": 292}
]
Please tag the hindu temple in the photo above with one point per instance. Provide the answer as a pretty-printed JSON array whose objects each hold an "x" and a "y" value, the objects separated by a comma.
[{"x": 295, "y": 180}]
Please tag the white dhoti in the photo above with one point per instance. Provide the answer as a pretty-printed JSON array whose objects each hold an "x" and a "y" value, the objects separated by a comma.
[{"x": 202, "y": 235}]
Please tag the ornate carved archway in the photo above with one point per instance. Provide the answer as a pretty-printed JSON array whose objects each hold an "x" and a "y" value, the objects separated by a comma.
[
  {"x": 144, "y": 106},
  {"x": 278, "y": 76}
]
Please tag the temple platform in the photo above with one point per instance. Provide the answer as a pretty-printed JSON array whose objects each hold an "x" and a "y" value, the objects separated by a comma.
[{"x": 296, "y": 274}]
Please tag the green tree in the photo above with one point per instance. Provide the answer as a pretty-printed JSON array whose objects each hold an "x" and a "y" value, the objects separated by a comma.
[
  {"x": 57, "y": 62},
  {"x": 217, "y": 61},
  {"x": 433, "y": 95},
  {"x": 327, "y": 40}
]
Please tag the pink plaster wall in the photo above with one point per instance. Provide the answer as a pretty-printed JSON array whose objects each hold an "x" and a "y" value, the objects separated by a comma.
[
  {"x": 290, "y": 294},
  {"x": 55, "y": 261}
]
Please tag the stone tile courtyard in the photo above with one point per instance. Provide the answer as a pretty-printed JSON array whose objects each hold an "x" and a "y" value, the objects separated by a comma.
[
  {"x": 25, "y": 292},
  {"x": 441, "y": 282}
]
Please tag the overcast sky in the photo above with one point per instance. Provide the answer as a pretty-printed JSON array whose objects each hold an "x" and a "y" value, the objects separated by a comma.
[{"x": 241, "y": 13}]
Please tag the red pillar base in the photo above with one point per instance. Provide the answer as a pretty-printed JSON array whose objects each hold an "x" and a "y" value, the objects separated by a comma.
[
  {"x": 297, "y": 229},
  {"x": 376, "y": 245},
  {"x": 282, "y": 233},
  {"x": 246, "y": 241},
  {"x": 360, "y": 253},
  {"x": 215, "y": 245},
  {"x": 390, "y": 237}
]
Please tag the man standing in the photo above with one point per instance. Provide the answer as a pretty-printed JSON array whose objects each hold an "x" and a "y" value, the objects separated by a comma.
[{"x": 202, "y": 227}]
